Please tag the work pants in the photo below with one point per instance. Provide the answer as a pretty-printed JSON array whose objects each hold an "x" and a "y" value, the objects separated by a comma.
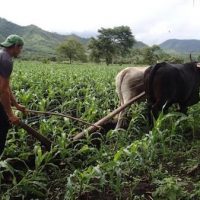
[{"x": 4, "y": 127}]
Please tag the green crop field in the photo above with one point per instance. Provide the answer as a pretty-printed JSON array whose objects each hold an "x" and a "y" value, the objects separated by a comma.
[{"x": 115, "y": 164}]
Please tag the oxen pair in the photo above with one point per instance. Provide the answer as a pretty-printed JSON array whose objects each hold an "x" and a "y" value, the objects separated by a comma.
[{"x": 163, "y": 83}]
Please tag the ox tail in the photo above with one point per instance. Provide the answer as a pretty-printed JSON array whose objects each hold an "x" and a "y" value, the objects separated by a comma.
[
  {"x": 152, "y": 73},
  {"x": 118, "y": 82}
]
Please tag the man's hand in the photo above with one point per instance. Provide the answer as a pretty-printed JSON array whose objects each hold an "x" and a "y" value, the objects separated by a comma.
[
  {"x": 21, "y": 108},
  {"x": 14, "y": 120}
]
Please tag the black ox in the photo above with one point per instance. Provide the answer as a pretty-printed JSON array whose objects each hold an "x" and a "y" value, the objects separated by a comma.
[{"x": 166, "y": 84}]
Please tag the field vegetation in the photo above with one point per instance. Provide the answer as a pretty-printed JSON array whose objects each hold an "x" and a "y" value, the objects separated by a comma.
[{"x": 135, "y": 164}]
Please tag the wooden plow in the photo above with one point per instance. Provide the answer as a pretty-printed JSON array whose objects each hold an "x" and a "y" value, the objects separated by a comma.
[
  {"x": 93, "y": 127},
  {"x": 45, "y": 141},
  {"x": 96, "y": 125}
]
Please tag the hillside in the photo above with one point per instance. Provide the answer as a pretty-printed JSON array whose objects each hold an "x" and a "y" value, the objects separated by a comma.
[
  {"x": 181, "y": 46},
  {"x": 38, "y": 43}
]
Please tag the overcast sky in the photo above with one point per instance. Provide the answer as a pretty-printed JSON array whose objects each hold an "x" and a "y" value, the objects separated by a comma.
[{"x": 151, "y": 21}]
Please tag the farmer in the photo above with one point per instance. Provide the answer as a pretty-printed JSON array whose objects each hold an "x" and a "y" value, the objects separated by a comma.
[{"x": 12, "y": 47}]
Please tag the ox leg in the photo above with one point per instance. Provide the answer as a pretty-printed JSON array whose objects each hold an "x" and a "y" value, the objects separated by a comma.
[
  {"x": 149, "y": 115},
  {"x": 156, "y": 109},
  {"x": 154, "y": 113},
  {"x": 122, "y": 120},
  {"x": 183, "y": 109}
]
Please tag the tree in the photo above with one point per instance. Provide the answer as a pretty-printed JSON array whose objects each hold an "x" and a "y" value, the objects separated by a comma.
[
  {"x": 111, "y": 43},
  {"x": 95, "y": 54},
  {"x": 152, "y": 54},
  {"x": 73, "y": 50}
]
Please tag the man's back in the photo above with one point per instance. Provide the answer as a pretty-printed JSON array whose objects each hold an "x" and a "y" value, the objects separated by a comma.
[{"x": 6, "y": 64}]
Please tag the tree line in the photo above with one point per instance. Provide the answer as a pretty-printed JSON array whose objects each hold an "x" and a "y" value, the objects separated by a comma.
[{"x": 114, "y": 46}]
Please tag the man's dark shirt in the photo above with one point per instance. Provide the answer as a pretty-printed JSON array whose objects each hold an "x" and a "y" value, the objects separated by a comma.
[{"x": 6, "y": 64}]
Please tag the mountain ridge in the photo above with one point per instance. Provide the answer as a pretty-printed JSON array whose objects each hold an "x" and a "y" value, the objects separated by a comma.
[
  {"x": 43, "y": 44},
  {"x": 181, "y": 45},
  {"x": 39, "y": 43}
]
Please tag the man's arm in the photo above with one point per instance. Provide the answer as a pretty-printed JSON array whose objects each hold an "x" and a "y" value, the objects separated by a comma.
[
  {"x": 5, "y": 98},
  {"x": 12, "y": 98}
]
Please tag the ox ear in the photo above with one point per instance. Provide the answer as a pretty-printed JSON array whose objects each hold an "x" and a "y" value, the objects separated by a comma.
[{"x": 198, "y": 65}]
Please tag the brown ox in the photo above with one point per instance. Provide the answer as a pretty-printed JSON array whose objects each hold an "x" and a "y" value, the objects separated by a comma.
[{"x": 129, "y": 83}]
